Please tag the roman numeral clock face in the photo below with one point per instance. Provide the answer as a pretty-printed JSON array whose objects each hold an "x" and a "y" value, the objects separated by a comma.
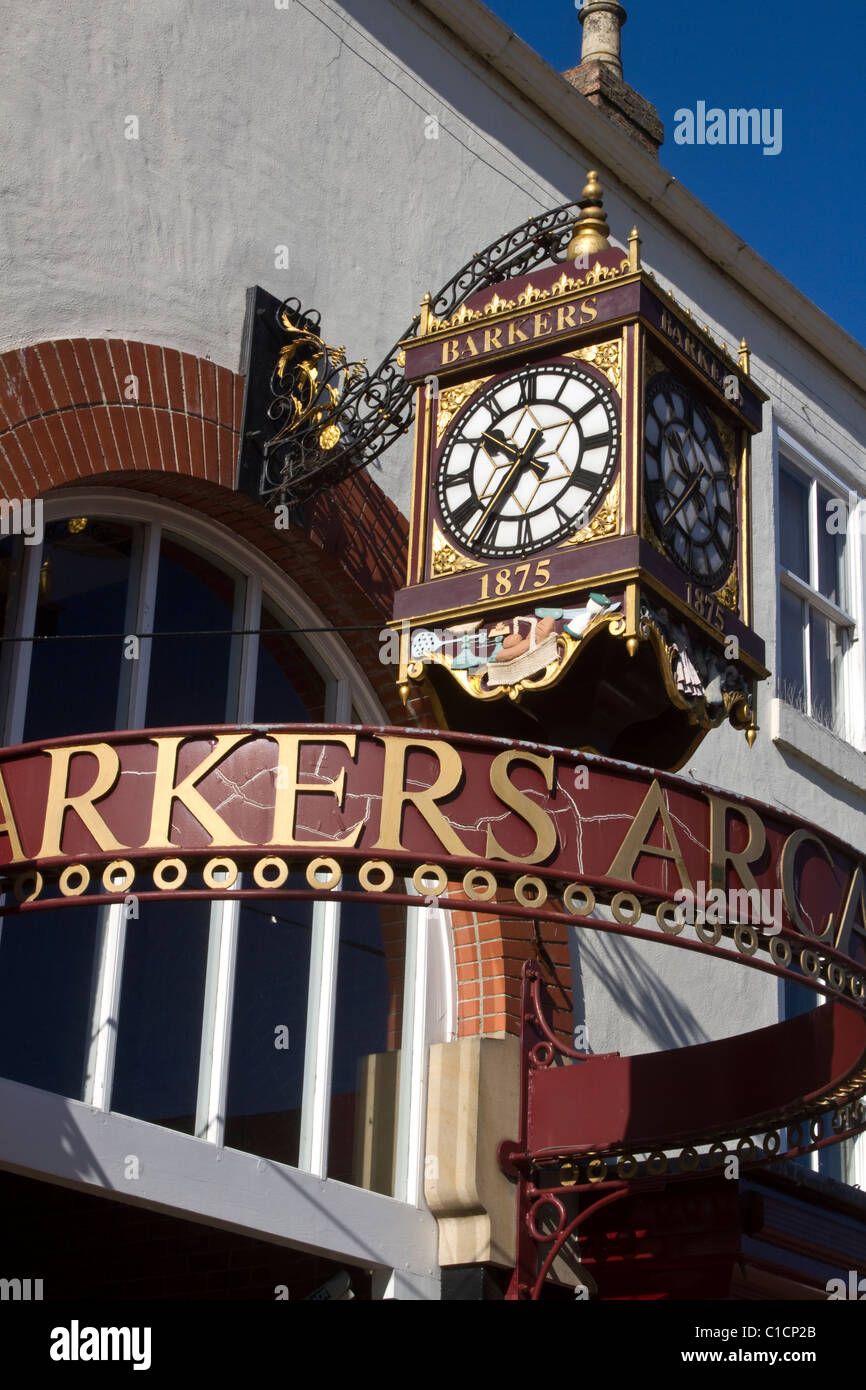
[
  {"x": 528, "y": 461},
  {"x": 689, "y": 489}
]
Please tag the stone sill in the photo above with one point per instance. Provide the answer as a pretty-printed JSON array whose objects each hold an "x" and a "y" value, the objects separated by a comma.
[{"x": 817, "y": 746}]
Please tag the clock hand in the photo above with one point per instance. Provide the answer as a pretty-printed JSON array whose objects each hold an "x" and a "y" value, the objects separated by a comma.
[
  {"x": 683, "y": 499},
  {"x": 524, "y": 458},
  {"x": 498, "y": 444}
]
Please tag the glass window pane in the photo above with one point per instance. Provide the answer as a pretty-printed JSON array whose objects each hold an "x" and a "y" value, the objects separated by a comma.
[
  {"x": 160, "y": 1017},
  {"x": 189, "y": 674},
  {"x": 365, "y": 1086},
  {"x": 794, "y": 529},
  {"x": 82, "y": 590},
  {"x": 46, "y": 971},
  {"x": 831, "y": 551},
  {"x": 289, "y": 688},
  {"x": 820, "y": 668},
  {"x": 792, "y": 671},
  {"x": 269, "y": 1021}
]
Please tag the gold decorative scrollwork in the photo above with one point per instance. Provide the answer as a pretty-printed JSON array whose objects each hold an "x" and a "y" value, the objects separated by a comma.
[
  {"x": 606, "y": 356},
  {"x": 451, "y": 400},
  {"x": 446, "y": 559},
  {"x": 729, "y": 594},
  {"x": 604, "y": 523}
]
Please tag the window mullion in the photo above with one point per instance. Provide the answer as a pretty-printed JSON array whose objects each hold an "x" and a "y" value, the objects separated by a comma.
[
  {"x": 411, "y": 1126},
  {"x": 21, "y": 651},
  {"x": 319, "y": 1048},
  {"x": 219, "y": 992},
  {"x": 140, "y": 609},
  {"x": 99, "y": 1076},
  {"x": 244, "y": 652}
]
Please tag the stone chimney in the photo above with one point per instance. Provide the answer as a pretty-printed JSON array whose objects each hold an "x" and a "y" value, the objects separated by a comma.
[{"x": 599, "y": 76}]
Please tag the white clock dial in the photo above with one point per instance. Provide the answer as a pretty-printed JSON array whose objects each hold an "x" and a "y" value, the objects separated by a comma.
[{"x": 528, "y": 461}]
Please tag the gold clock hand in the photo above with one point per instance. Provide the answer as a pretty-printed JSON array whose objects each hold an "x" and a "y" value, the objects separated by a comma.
[{"x": 525, "y": 456}]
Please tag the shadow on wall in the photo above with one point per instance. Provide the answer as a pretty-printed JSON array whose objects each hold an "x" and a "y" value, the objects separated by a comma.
[{"x": 638, "y": 993}]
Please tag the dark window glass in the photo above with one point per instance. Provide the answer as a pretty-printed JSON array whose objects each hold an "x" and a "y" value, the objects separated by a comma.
[
  {"x": 269, "y": 1021},
  {"x": 792, "y": 671},
  {"x": 366, "y": 1046},
  {"x": 160, "y": 1019},
  {"x": 831, "y": 550},
  {"x": 189, "y": 674},
  {"x": 46, "y": 973},
  {"x": 82, "y": 590},
  {"x": 289, "y": 689},
  {"x": 794, "y": 528}
]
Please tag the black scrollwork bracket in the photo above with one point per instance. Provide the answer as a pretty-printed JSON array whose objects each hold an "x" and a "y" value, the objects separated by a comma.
[{"x": 311, "y": 418}]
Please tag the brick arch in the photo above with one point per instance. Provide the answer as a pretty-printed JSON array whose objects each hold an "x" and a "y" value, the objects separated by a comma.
[{"x": 82, "y": 411}]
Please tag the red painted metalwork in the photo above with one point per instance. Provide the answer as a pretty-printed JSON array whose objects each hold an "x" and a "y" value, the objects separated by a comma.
[{"x": 583, "y": 1116}]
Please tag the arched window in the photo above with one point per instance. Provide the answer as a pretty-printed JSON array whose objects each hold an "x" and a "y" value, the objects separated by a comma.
[{"x": 293, "y": 1031}]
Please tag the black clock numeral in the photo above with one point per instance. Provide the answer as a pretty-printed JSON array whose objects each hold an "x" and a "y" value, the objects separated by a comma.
[
  {"x": 595, "y": 441},
  {"x": 528, "y": 393},
  {"x": 462, "y": 515},
  {"x": 461, "y": 479},
  {"x": 524, "y": 534}
]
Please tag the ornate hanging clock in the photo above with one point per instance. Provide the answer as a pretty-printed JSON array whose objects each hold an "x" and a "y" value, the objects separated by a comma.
[{"x": 579, "y": 539}]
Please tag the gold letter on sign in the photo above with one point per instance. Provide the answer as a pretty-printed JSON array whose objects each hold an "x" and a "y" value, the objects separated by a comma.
[
  {"x": 289, "y": 746},
  {"x": 168, "y": 790},
  {"x": 787, "y": 874},
  {"x": 515, "y": 800},
  {"x": 635, "y": 842},
  {"x": 720, "y": 855},
  {"x": 107, "y": 771},
  {"x": 853, "y": 913},
  {"x": 395, "y": 796},
  {"x": 8, "y": 826}
]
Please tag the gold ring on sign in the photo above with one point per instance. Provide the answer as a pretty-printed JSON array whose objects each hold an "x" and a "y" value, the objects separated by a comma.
[
  {"x": 619, "y": 905},
  {"x": 213, "y": 866},
  {"x": 521, "y": 893},
  {"x": 836, "y": 975},
  {"x": 571, "y": 1180},
  {"x": 858, "y": 986},
  {"x": 810, "y": 963},
  {"x": 716, "y": 930},
  {"x": 747, "y": 1144},
  {"x": 626, "y": 1166},
  {"x": 578, "y": 893},
  {"x": 25, "y": 893},
  {"x": 717, "y": 1155},
  {"x": 379, "y": 867},
  {"x": 816, "y": 1128},
  {"x": 840, "y": 1120},
  {"x": 271, "y": 862},
  {"x": 690, "y": 1159},
  {"x": 160, "y": 870},
  {"x": 471, "y": 887},
  {"x": 118, "y": 866},
  {"x": 430, "y": 890},
  {"x": 657, "y": 1164},
  {"x": 74, "y": 871},
  {"x": 772, "y": 1142},
  {"x": 327, "y": 866},
  {"x": 596, "y": 1170},
  {"x": 674, "y": 926},
  {"x": 748, "y": 945},
  {"x": 780, "y": 951}
]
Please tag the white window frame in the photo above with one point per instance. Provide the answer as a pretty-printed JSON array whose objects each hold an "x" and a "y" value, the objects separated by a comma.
[
  {"x": 429, "y": 1006},
  {"x": 850, "y": 721}
]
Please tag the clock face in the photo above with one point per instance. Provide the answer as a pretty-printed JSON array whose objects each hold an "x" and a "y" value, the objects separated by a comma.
[
  {"x": 689, "y": 489},
  {"x": 529, "y": 461}
]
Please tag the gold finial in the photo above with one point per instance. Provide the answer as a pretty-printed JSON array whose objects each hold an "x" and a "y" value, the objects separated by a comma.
[
  {"x": 745, "y": 356},
  {"x": 634, "y": 249},
  {"x": 751, "y": 735},
  {"x": 632, "y": 645},
  {"x": 591, "y": 231},
  {"x": 424, "y": 325}
]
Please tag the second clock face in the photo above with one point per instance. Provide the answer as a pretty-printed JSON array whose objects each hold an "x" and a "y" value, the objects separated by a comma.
[
  {"x": 688, "y": 481},
  {"x": 529, "y": 461}
]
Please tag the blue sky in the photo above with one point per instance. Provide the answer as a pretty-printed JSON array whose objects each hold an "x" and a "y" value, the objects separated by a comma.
[{"x": 803, "y": 209}]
